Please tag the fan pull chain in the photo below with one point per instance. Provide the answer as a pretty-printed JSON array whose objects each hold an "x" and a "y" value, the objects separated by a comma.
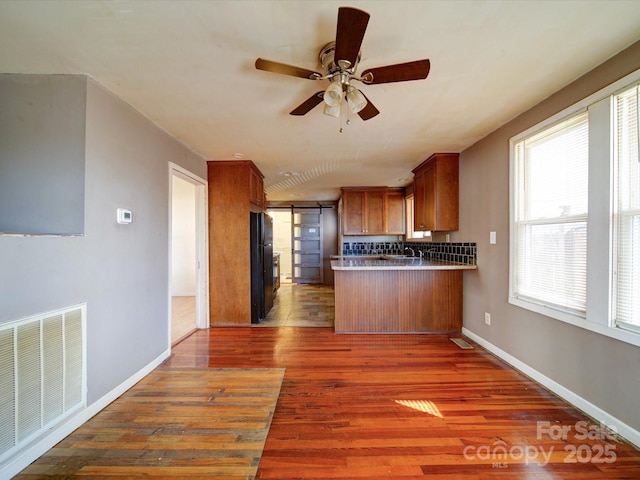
[{"x": 348, "y": 122}]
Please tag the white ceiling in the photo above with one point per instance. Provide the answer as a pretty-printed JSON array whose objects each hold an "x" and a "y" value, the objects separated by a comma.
[{"x": 189, "y": 67}]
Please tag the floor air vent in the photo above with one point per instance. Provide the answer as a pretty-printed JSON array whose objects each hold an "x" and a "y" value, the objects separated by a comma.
[
  {"x": 461, "y": 343},
  {"x": 42, "y": 374}
]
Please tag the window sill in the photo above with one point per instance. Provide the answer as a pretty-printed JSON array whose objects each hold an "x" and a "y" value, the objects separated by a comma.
[{"x": 579, "y": 321}]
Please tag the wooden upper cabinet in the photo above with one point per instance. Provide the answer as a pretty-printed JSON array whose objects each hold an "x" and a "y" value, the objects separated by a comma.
[
  {"x": 436, "y": 193},
  {"x": 353, "y": 222},
  {"x": 372, "y": 211},
  {"x": 256, "y": 187},
  {"x": 395, "y": 208}
]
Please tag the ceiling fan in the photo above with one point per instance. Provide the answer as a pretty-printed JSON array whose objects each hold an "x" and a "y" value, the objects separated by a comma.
[{"x": 339, "y": 60}]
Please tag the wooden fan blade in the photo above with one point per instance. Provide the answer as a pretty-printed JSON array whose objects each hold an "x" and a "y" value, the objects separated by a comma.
[
  {"x": 352, "y": 23},
  {"x": 401, "y": 72},
  {"x": 369, "y": 111},
  {"x": 275, "y": 67},
  {"x": 309, "y": 104}
]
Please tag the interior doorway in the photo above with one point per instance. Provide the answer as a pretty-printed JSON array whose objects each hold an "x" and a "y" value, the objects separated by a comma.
[
  {"x": 282, "y": 241},
  {"x": 188, "y": 273},
  {"x": 298, "y": 238}
]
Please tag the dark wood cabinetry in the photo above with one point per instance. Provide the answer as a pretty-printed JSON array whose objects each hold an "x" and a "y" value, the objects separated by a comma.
[
  {"x": 395, "y": 212},
  {"x": 235, "y": 189},
  {"x": 256, "y": 187},
  {"x": 372, "y": 211},
  {"x": 435, "y": 193}
]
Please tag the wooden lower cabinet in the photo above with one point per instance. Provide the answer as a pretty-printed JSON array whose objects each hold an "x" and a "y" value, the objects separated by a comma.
[{"x": 398, "y": 301}]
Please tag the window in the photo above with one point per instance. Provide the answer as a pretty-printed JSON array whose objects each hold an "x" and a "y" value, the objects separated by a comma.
[
  {"x": 627, "y": 210},
  {"x": 551, "y": 215},
  {"x": 575, "y": 214},
  {"x": 411, "y": 233}
]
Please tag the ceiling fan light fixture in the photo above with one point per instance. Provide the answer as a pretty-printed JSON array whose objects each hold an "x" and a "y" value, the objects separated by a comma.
[
  {"x": 333, "y": 94},
  {"x": 332, "y": 110},
  {"x": 339, "y": 60},
  {"x": 356, "y": 99}
]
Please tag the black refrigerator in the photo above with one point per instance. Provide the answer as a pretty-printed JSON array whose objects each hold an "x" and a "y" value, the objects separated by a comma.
[{"x": 261, "y": 246}]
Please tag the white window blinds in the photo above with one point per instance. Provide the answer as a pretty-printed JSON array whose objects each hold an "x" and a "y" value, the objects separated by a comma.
[
  {"x": 551, "y": 215},
  {"x": 627, "y": 210}
]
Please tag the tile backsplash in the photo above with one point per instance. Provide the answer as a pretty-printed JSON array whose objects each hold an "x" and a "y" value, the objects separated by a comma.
[
  {"x": 464, "y": 253},
  {"x": 372, "y": 248}
]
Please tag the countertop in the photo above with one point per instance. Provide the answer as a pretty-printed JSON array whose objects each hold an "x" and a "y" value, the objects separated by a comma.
[{"x": 395, "y": 262}]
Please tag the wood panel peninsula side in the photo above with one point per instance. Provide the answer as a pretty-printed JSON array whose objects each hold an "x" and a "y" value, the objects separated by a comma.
[{"x": 398, "y": 295}]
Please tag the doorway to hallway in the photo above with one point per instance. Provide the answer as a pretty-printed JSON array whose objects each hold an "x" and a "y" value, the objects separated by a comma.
[
  {"x": 298, "y": 238},
  {"x": 188, "y": 280},
  {"x": 282, "y": 242}
]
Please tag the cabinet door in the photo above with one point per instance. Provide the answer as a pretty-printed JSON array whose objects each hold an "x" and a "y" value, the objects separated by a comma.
[
  {"x": 374, "y": 208},
  {"x": 353, "y": 217},
  {"x": 435, "y": 190},
  {"x": 430, "y": 199},
  {"x": 394, "y": 213},
  {"x": 256, "y": 188},
  {"x": 419, "y": 209},
  {"x": 447, "y": 199}
]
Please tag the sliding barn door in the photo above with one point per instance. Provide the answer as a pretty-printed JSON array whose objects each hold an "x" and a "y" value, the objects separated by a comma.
[{"x": 306, "y": 244}]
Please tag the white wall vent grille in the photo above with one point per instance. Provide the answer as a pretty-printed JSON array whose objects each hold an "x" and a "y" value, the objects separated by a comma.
[{"x": 42, "y": 374}]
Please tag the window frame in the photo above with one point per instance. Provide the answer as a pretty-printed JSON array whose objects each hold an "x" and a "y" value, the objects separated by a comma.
[
  {"x": 617, "y": 214},
  {"x": 411, "y": 234},
  {"x": 523, "y": 223},
  {"x": 598, "y": 317}
]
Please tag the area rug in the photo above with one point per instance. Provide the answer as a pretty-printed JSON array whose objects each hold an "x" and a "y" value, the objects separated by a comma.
[{"x": 175, "y": 423}]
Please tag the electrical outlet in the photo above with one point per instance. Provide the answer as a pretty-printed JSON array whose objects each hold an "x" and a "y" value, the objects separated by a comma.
[{"x": 487, "y": 318}]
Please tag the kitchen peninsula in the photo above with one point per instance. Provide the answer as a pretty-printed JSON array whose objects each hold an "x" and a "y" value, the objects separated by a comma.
[{"x": 397, "y": 294}]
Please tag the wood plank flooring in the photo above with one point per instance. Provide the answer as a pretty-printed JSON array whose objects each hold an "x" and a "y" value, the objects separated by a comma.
[
  {"x": 407, "y": 407},
  {"x": 175, "y": 423},
  {"x": 350, "y": 407}
]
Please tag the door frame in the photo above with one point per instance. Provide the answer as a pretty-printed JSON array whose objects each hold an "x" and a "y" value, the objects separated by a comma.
[{"x": 202, "y": 241}]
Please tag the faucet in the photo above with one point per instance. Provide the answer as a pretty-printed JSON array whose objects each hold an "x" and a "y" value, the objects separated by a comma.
[
  {"x": 421, "y": 253},
  {"x": 413, "y": 253}
]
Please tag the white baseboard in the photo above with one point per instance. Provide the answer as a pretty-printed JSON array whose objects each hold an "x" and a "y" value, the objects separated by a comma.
[
  {"x": 627, "y": 432},
  {"x": 39, "y": 447}
]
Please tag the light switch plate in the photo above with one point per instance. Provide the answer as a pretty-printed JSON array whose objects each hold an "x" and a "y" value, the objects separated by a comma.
[{"x": 492, "y": 238}]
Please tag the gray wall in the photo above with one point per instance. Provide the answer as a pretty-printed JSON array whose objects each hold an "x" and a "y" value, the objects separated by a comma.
[
  {"x": 120, "y": 271},
  {"x": 42, "y": 182},
  {"x": 602, "y": 370}
]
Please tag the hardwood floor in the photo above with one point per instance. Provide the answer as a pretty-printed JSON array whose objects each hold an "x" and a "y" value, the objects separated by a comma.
[
  {"x": 175, "y": 423},
  {"x": 408, "y": 406},
  {"x": 351, "y": 406}
]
